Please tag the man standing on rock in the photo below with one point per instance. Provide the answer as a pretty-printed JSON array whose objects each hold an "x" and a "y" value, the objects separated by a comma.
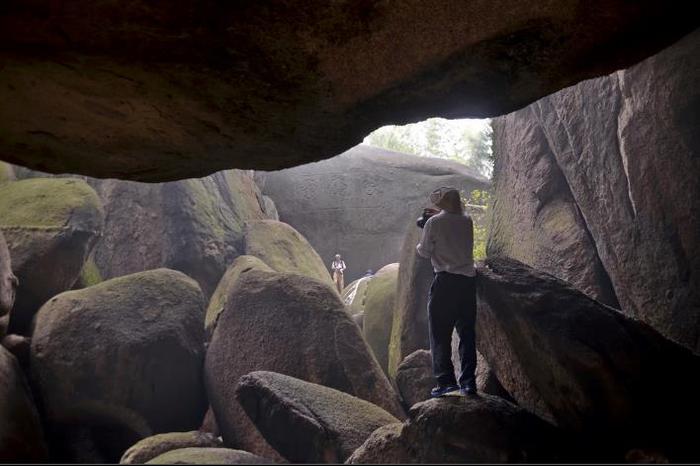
[
  {"x": 338, "y": 268},
  {"x": 448, "y": 241}
]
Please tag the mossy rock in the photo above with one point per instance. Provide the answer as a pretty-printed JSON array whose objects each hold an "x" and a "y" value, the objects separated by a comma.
[
  {"x": 194, "y": 226},
  {"x": 50, "y": 225},
  {"x": 146, "y": 449},
  {"x": 7, "y": 282},
  {"x": 284, "y": 249},
  {"x": 379, "y": 312},
  {"x": 217, "y": 303},
  {"x": 307, "y": 422},
  {"x": 134, "y": 346},
  {"x": 208, "y": 456},
  {"x": 355, "y": 294}
]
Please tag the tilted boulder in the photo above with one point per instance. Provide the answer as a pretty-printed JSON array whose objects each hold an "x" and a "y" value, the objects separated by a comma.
[
  {"x": 352, "y": 204},
  {"x": 217, "y": 302},
  {"x": 294, "y": 325},
  {"x": 195, "y": 455},
  {"x": 133, "y": 346},
  {"x": 146, "y": 449},
  {"x": 194, "y": 226},
  {"x": 610, "y": 379},
  {"x": 463, "y": 429},
  {"x": 50, "y": 226},
  {"x": 410, "y": 327},
  {"x": 284, "y": 249},
  {"x": 7, "y": 172},
  {"x": 306, "y": 422},
  {"x": 8, "y": 281},
  {"x": 379, "y": 312},
  {"x": 21, "y": 436}
]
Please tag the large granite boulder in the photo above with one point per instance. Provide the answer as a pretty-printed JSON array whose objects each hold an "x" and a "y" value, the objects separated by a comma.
[
  {"x": 294, "y": 325},
  {"x": 146, "y": 449},
  {"x": 626, "y": 145},
  {"x": 50, "y": 226},
  {"x": 194, "y": 226},
  {"x": 199, "y": 455},
  {"x": 306, "y": 422},
  {"x": 217, "y": 302},
  {"x": 21, "y": 436},
  {"x": 410, "y": 327},
  {"x": 284, "y": 249},
  {"x": 118, "y": 362},
  {"x": 459, "y": 429},
  {"x": 612, "y": 380},
  {"x": 379, "y": 312},
  {"x": 8, "y": 281},
  {"x": 138, "y": 91},
  {"x": 534, "y": 217},
  {"x": 352, "y": 204}
]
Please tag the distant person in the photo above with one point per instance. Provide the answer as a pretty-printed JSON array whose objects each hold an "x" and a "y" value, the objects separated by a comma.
[
  {"x": 338, "y": 268},
  {"x": 448, "y": 241}
]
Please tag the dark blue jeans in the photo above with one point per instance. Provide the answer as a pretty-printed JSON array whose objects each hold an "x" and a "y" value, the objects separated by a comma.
[{"x": 452, "y": 304}]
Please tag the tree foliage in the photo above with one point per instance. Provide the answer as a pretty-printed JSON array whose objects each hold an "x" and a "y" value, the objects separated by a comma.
[{"x": 464, "y": 141}]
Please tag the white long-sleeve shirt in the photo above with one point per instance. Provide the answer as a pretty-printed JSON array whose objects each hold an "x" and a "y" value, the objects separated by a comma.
[{"x": 448, "y": 241}]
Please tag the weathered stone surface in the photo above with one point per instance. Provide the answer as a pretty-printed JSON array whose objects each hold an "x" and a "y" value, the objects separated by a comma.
[
  {"x": 120, "y": 361},
  {"x": 217, "y": 303},
  {"x": 208, "y": 456},
  {"x": 414, "y": 377},
  {"x": 354, "y": 295},
  {"x": 379, "y": 312},
  {"x": 18, "y": 345},
  {"x": 410, "y": 328},
  {"x": 614, "y": 381},
  {"x": 21, "y": 436},
  {"x": 627, "y": 146},
  {"x": 8, "y": 281},
  {"x": 352, "y": 204},
  {"x": 458, "y": 429},
  {"x": 270, "y": 208},
  {"x": 50, "y": 226},
  {"x": 140, "y": 92},
  {"x": 534, "y": 217},
  {"x": 194, "y": 226},
  {"x": 284, "y": 249},
  {"x": 209, "y": 423},
  {"x": 306, "y": 422},
  {"x": 294, "y": 325},
  {"x": 146, "y": 449}
]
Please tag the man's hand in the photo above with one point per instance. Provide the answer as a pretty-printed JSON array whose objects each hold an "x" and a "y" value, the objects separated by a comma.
[{"x": 430, "y": 211}]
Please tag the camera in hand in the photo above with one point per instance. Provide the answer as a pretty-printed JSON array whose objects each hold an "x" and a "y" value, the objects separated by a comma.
[{"x": 427, "y": 213}]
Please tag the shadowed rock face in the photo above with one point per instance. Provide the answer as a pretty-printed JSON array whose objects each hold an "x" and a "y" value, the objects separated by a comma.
[
  {"x": 627, "y": 206},
  {"x": 148, "y": 91},
  {"x": 21, "y": 436},
  {"x": 359, "y": 203},
  {"x": 119, "y": 361},
  {"x": 8, "y": 281},
  {"x": 613, "y": 380},
  {"x": 306, "y": 422},
  {"x": 463, "y": 429}
]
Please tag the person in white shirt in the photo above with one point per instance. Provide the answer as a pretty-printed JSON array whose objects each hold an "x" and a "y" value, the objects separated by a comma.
[
  {"x": 448, "y": 241},
  {"x": 338, "y": 268}
]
